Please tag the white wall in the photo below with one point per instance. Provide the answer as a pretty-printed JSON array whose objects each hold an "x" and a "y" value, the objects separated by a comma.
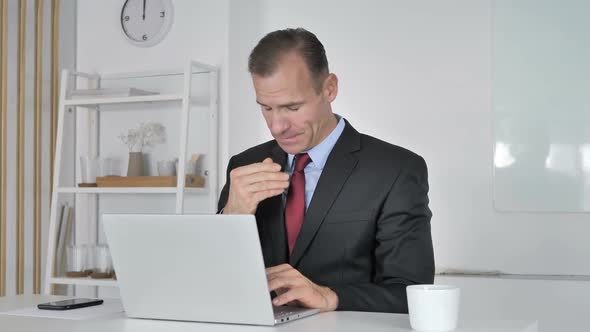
[{"x": 245, "y": 121}]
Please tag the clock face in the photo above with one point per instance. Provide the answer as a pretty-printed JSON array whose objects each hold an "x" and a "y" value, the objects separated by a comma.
[{"x": 146, "y": 22}]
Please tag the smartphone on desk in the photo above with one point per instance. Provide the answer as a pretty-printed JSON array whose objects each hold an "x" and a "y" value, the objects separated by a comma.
[{"x": 69, "y": 304}]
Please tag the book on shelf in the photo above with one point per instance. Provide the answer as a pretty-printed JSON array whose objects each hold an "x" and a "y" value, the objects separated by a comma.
[{"x": 65, "y": 231}]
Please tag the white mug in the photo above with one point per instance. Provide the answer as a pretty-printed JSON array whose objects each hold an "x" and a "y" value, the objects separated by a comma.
[{"x": 433, "y": 308}]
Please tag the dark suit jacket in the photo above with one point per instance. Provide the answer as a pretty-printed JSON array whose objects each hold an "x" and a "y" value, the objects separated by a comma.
[{"x": 366, "y": 233}]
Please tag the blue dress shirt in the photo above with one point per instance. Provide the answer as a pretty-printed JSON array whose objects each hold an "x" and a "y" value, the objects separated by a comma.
[{"x": 319, "y": 155}]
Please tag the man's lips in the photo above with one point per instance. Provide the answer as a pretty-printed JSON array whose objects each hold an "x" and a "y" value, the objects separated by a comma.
[{"x": 288, "y": 139}]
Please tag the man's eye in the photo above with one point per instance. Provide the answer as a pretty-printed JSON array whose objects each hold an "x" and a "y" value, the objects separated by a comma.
[
  {"x": 266, "y": 108},
  {"x": 292, "y": 108}
]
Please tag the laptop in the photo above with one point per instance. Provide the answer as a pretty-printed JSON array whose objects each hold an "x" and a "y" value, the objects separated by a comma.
[{"x": 205, "y": 268}]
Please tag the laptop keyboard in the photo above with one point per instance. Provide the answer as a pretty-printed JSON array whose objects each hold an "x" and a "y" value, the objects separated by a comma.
[{"x": 285, "y": 311}]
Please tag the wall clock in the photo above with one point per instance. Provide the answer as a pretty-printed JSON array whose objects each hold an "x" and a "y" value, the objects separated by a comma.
[{"x": 146, "y": 22}]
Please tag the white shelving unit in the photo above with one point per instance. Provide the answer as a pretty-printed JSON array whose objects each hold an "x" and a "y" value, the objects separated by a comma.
[{"x": 185, "y": 99}]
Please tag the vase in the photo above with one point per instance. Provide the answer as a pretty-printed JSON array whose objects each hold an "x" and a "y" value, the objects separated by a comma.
[{"x": 135, "y": 167}]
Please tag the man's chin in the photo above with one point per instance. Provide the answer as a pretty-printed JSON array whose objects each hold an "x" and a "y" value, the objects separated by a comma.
[{"x": 290, "y": 148}]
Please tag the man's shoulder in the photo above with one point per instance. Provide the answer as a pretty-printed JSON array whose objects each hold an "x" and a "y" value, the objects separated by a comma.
[
  {"x": 385, "y": 150},
  {"x": 372, "y": 148}
]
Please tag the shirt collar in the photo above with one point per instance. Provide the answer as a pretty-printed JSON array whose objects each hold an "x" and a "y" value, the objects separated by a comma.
[{"x": 319, "y": 153}]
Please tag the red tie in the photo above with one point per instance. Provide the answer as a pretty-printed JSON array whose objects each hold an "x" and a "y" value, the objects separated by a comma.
[{"x": 295, "y": 208}]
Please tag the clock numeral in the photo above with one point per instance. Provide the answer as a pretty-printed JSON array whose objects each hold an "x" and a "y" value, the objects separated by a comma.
[
  {"x": 126, "y": 18},
  {"x": 144, "y": 37},
  {"x": 162, "y": 14}
]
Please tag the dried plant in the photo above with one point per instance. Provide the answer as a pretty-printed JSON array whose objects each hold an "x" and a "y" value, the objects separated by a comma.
[{"x": 146, "y": 136}]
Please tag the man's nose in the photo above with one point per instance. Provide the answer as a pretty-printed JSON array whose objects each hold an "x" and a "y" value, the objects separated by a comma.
[{"x": 278, "y": 122}]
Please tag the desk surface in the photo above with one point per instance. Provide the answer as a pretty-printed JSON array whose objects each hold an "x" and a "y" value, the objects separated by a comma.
[{"x": 332, "y": 321}]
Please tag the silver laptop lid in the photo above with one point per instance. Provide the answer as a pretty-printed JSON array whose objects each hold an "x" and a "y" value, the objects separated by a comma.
[{"x": 187, "y": 267}]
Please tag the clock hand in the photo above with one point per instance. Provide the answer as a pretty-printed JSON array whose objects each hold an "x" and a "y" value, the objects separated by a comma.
[{"x": 144, "y": 10}]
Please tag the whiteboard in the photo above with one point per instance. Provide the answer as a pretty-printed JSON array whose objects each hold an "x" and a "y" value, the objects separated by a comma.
[{"x": 541, "y": 105}]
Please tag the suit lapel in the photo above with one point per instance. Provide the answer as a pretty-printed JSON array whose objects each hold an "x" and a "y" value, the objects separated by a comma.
[{"x": 338, "y": 168}]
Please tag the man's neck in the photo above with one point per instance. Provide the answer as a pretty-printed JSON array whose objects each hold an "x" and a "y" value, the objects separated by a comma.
[{"x": 329, "y": 128}]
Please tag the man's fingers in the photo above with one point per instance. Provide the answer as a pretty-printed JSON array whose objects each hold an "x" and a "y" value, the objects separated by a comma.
[
  {"x": 292, "y": 287},
  {"x": 265, "y": 176},
  {"x": 262, "y": 195},
  {"x": 255, "y": 168},
  {"x": 286, "y": 273},
  {"x": 291, "y": 295},
  {"x": 278, "y": 268},
  {"x": 267, "y": 161},
  {"x": 284, "y": 282},
  {"x": 267, "y": 185}
]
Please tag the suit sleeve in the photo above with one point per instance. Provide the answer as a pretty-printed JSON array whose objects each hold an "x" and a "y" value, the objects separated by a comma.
[
  {"x": 403, "y": 249},
  {"x": 225, "y": 191}
]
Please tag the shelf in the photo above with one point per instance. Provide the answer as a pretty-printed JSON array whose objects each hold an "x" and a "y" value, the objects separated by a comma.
[
  {"x": 130, "y": 190},
  {"x": 123, "y": 100},
  {"x": 179, "y": 103},
  {"x": 84, "y": 281}
]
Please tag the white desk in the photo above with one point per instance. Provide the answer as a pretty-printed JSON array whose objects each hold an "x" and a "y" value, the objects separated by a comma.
[{"x": 333, "y": 321}]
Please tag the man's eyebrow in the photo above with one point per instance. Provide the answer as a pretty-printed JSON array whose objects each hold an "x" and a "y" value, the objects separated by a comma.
[{"x": 291, "y": 104}]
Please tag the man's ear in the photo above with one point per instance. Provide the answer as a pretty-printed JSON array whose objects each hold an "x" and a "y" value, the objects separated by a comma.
[{"x": 330, "y": 88}]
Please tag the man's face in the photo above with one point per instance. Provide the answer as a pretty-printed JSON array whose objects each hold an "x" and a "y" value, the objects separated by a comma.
[{"x": 298, "y": 117}]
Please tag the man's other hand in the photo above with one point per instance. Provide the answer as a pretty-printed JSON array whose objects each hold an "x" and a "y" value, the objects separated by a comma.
[{"x": 292, "y": 287}]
